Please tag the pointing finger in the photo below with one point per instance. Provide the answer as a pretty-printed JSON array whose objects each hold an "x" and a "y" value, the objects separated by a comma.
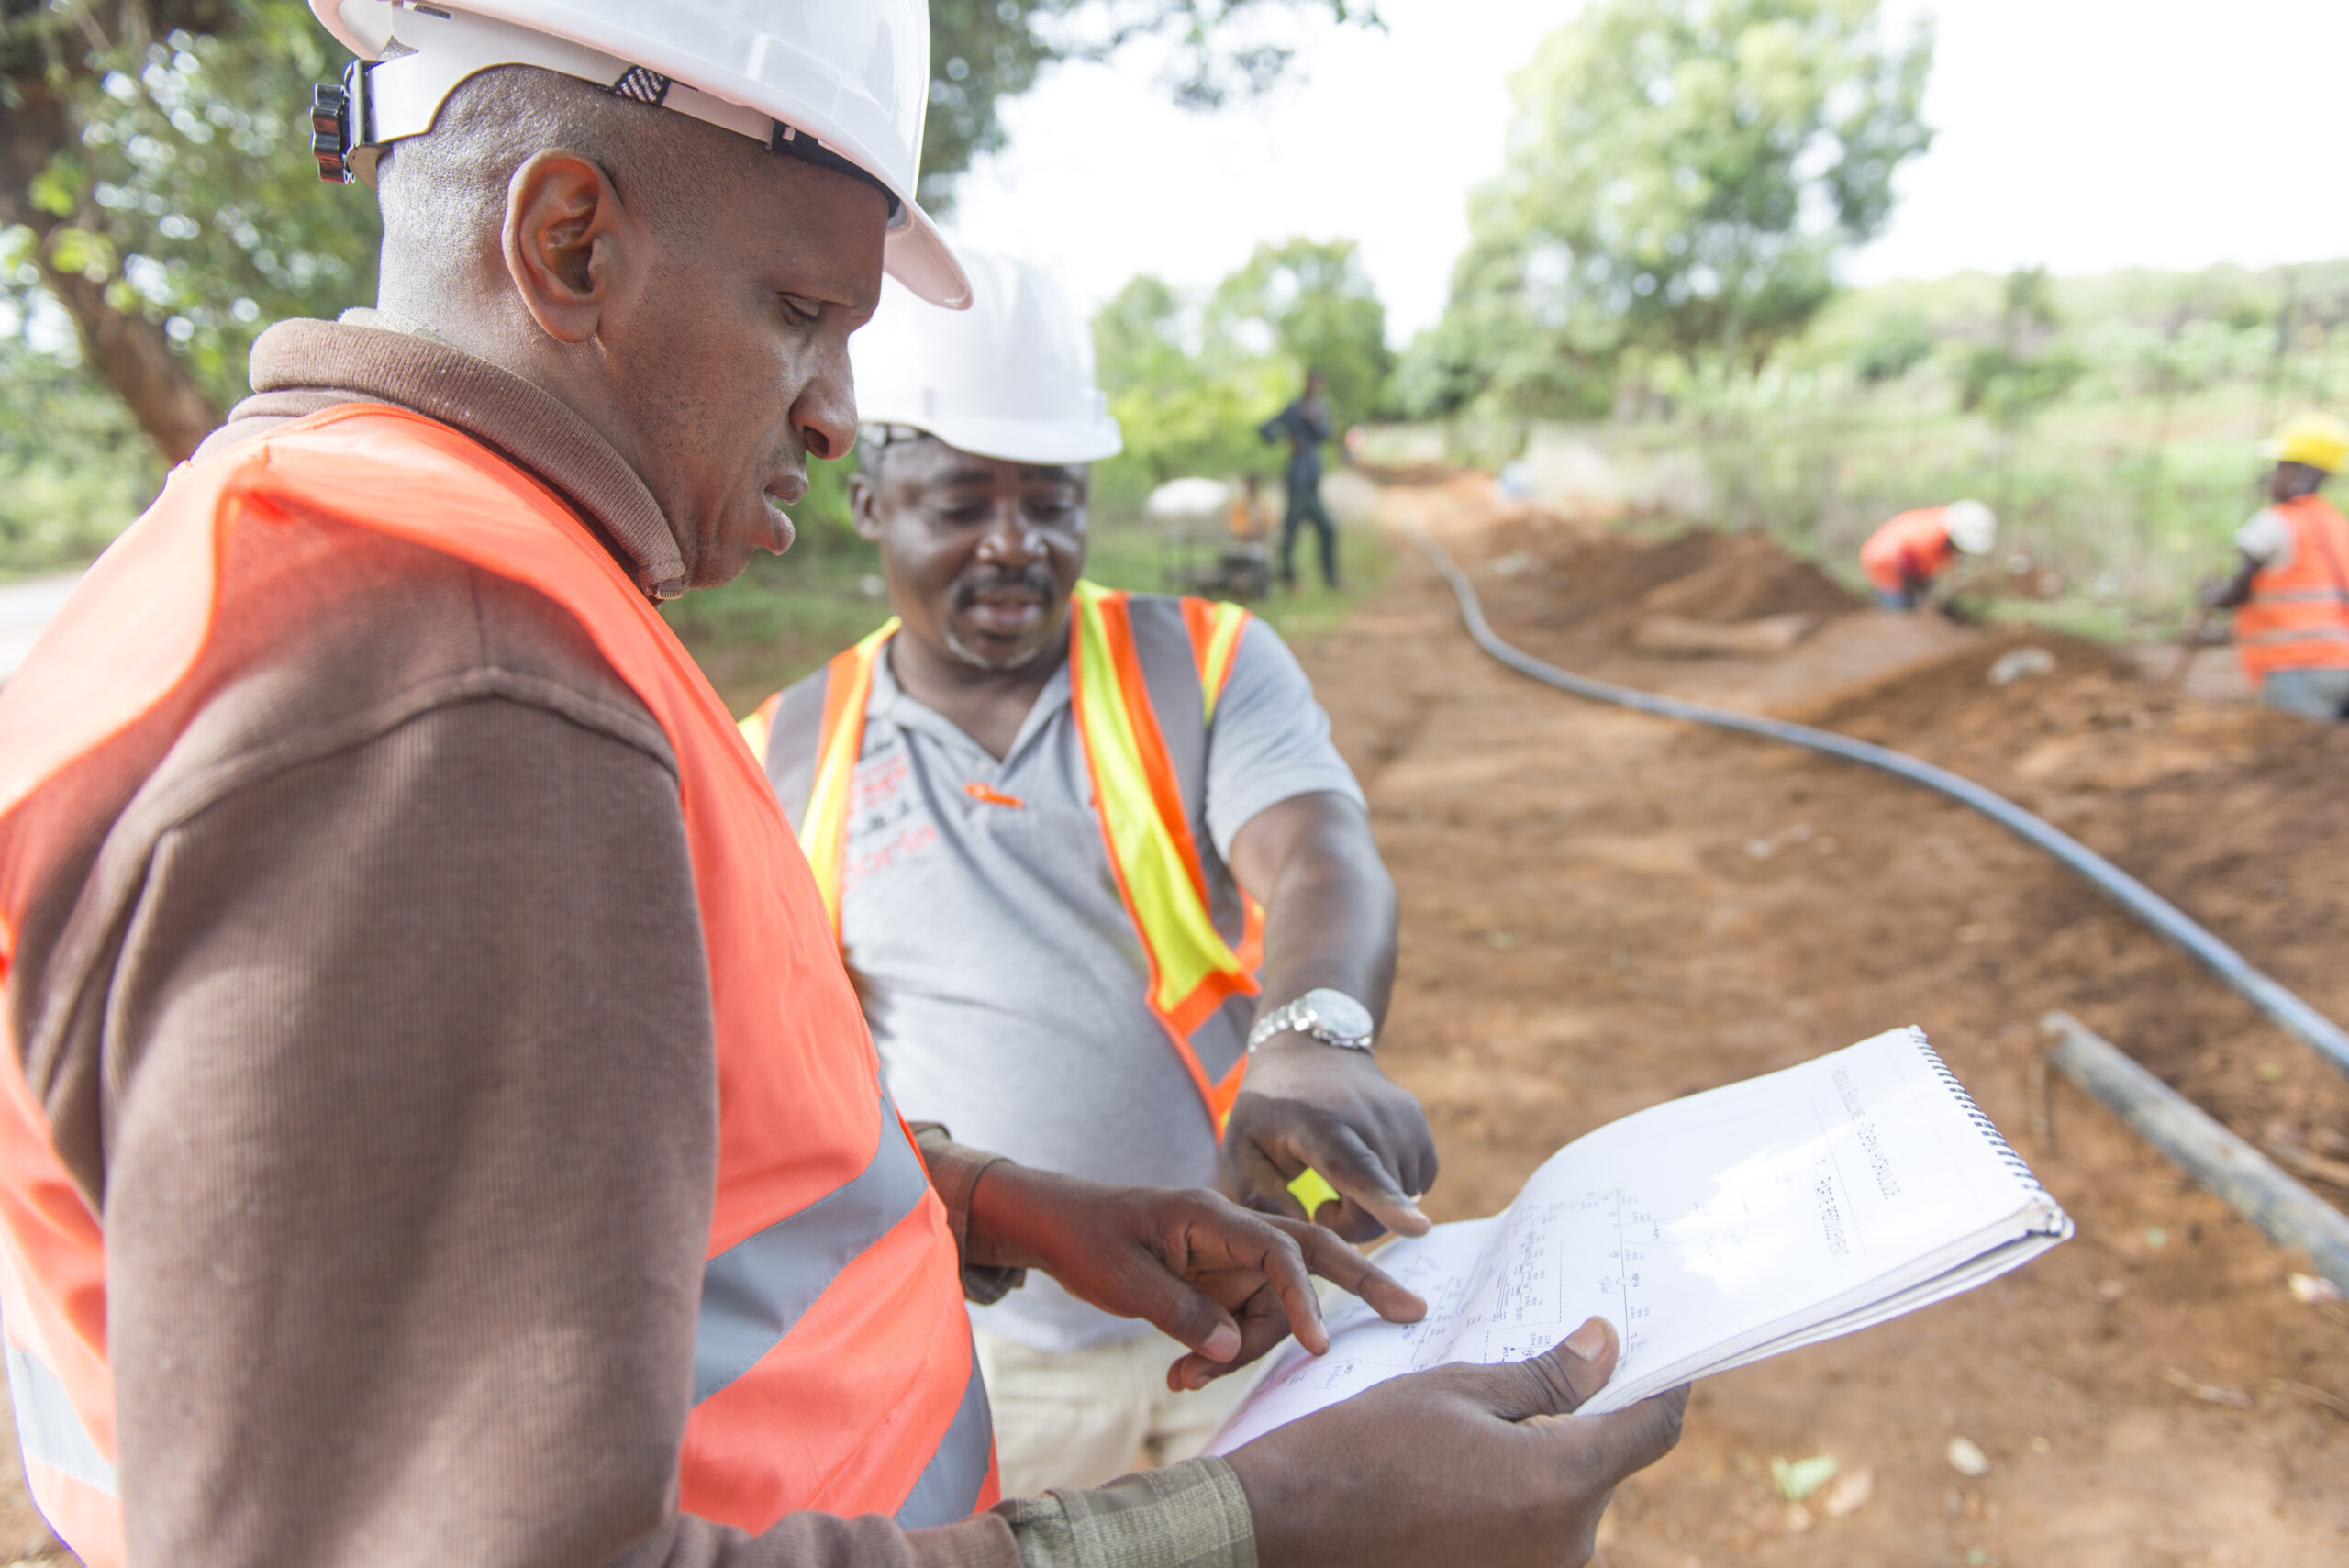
[
  {"x": 1186, "y": 1314},
  {"x": 1347, "y": 1269},
  {"x": 1285, "y": 1271},
  {"x": 1263, "y": 1325},
  {"x": 1348, "y": 1165}
]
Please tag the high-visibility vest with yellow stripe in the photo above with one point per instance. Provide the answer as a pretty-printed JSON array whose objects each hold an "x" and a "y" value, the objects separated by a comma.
[
  {"x": 2298, "y": 615},
  {"x": 1145, "y": 674},
  {"x": 833, "y": 1368}
]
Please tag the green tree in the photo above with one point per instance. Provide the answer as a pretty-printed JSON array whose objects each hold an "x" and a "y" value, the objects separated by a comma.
[
  {"x": 2020, "y": 375},
  {"x": 1897, "y": 343},
  {"x": 1190, "y": 379},
  {"x": 1315, "y": 304},
  {"x": 155, "y": 183},
  {"x": 1188, "y": 400},
  {"x": 1680, "y": 178}
]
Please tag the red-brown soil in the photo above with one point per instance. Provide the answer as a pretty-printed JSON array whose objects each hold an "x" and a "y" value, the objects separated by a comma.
[{"x": 1602, "y": 910}]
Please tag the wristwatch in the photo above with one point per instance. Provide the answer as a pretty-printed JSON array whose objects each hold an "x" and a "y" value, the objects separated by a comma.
[{"x": 1330, "y": 1016}]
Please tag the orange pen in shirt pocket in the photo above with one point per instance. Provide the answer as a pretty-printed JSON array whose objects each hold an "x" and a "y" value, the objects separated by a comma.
[{"x": 991, "y": 795}]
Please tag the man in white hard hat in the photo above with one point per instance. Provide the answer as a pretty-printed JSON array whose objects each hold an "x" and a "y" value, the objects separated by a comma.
[
  {"x": 1100, "y": 877},
  {"x": 441, "y": 1130},
  {"x": 1904, "y": 557}
]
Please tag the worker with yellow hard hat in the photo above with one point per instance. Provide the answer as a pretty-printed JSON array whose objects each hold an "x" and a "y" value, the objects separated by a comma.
[{"x": 2290, "y": 594}]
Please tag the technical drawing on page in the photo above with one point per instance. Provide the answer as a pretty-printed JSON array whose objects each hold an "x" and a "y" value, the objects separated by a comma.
[{"x": 1712, "y": 1231}]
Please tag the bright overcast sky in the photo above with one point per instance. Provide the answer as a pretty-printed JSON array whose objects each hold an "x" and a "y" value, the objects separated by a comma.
[{"x": 2076, "y": 134}]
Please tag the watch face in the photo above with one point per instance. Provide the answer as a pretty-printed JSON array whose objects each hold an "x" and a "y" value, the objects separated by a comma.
[{"x": 1338, "y": 1014}]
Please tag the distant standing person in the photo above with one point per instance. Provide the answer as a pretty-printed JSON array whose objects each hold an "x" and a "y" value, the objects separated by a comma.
[
  {"x": 2290, "y": 594},
  {"x": 1902, "y": 559},
  {"x": 1306, "y": 425}
]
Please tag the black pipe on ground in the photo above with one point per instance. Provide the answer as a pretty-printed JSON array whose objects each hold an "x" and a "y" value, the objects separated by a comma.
[{"x": 2294, "y": 1015}]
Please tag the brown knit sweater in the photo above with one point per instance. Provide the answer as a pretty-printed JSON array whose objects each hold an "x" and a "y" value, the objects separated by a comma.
[{"x": 373, "y": 1015}]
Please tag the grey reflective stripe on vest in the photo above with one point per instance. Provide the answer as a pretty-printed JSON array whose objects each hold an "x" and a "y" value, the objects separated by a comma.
[
  {"x": 753, "y": 1292},
  {"x": 47, "y": 1427},
  {"x": 1171, "y": 672},
  {"x": 792, "y": 742},
  {"x": 2305, "y": 634},
  {"x": 949, "y": 1487},
  {"x": 2303, "y": 595}
]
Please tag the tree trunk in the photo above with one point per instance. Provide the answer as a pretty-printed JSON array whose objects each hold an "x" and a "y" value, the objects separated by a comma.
[
  {"x": 134, "y": 358},
  {"x": 128, "y": 352}
]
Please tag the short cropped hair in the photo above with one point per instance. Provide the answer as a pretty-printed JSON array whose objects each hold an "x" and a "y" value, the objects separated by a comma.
[{"x": 441, "y": 193}]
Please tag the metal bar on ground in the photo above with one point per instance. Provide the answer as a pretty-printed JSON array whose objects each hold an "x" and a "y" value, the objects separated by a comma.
[
  {"x": 2251, "y": 1184},
  {"x": 2287, "y": 1009}
]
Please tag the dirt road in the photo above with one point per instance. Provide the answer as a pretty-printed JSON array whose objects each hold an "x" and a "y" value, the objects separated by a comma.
[{"x": 1601, "y": 910}]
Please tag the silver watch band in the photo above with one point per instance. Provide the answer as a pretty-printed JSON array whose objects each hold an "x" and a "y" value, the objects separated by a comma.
[{"x": 1329, "y": 1016}]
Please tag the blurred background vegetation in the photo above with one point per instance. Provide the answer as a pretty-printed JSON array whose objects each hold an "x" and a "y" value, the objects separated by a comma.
[
  {"x": 158, "y": 208},
  {"x": 1651, "y": 286}
]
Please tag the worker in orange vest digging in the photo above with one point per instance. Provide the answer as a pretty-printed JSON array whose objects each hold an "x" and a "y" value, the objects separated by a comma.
[
  {"x": 1904, "y": 558},
  {"x": 2290, "y": 593},
  {"x": 1108, "y": 893},
  {"x": 439, "y": 1127}
]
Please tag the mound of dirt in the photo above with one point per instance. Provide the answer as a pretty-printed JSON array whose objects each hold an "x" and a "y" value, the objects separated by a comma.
[
  {"x": 1599, "y": 587},
  {"x": 2231, "y": 812},
  {"x": 2070, "y": 715},
  {"x": 1606, "y": 909}
]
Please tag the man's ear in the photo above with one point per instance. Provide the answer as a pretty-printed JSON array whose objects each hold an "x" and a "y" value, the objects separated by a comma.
[
  {"x": 573, "y": 248},
  {"x": 864, "y": 506}
]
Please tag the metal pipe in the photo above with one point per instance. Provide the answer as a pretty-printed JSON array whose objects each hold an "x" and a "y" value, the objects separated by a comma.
[
  {"x": 2296, "y": 1016},
  {"x": 2249, "y": 1181}
]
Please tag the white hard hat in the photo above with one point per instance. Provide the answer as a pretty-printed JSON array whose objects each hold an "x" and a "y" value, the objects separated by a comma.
[
  {"x": 1973, "y": 527},
  {"x": 1009, "y": 378},
  {"x": 844, "y": 83}
]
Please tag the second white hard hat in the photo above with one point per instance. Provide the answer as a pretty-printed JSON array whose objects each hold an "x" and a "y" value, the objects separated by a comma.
[
  {"x": 1973, "y": 527},
  {"x": 1009, "y": 378},
  {"x": 844, "y": 83}
]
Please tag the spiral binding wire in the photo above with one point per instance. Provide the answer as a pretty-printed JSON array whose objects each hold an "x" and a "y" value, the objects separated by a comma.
[{"x": 1973, "y": 1112}]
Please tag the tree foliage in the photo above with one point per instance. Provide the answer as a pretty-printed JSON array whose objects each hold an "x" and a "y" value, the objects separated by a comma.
[
  {"x": 159, "y": 207},
  {"x": 1190, "y": 379},
  {"x": 2015, "y": 378},
  {"x": 1680, "y": 178},
  {"x": 187, "y": 193},
  {"x": 1311, "y": 303}
]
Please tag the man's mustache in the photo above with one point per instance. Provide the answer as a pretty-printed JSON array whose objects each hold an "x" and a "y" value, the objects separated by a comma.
[{"x": 1037, "y": 580}]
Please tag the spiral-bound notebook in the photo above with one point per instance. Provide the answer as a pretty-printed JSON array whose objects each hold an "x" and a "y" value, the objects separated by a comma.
[{"x": 1712, "y": 1230}]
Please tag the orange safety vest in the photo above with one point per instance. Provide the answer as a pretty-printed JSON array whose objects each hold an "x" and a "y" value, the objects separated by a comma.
[
  {"x": 1913, "y": 546},
  {"x": 832, "y": 1358},
  {"x": 1137, "y": 794},
  {"x": 2298, "y": 616}
]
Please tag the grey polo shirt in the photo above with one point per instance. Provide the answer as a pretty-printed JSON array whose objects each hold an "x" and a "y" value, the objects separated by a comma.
[{"x": 1000, "y": 973}]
